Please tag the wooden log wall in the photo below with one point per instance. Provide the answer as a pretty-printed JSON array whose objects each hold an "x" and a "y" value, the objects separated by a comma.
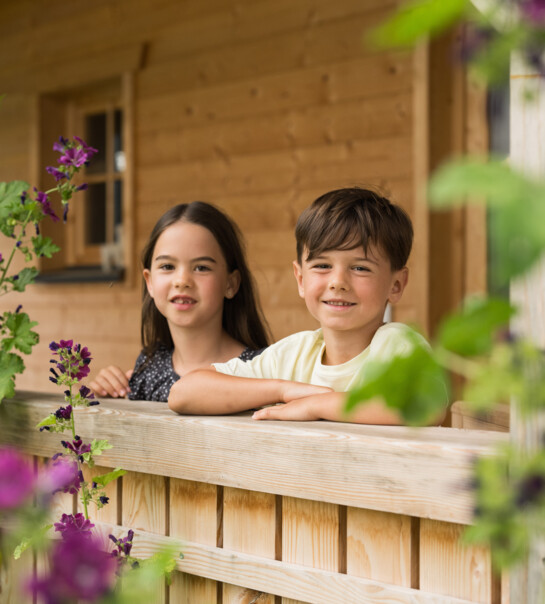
[
  {"x": 265, "y": 514},
  {"x": 256, "y": 105}
]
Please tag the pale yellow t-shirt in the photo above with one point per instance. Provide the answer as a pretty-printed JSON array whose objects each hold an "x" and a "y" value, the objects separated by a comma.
[{"x": 299, "y": 358}]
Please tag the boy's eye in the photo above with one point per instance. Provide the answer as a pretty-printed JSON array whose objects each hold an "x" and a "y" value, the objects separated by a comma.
[
  {"x": 322, "y": 266},
  {"x": 362, "y": 269}
]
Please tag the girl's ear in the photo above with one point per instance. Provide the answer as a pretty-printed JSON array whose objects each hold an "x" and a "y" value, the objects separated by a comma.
[
  {"x": 233, "y": 284},
  {"x": 147, "y": 277},
  {"x": 299, "y": 278},
  {"x": 399, "y": 283}
]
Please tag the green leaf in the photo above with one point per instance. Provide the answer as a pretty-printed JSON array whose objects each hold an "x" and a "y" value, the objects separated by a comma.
[
  {"x": 47, "y": 421},
  {"x": 97, "y": 446},
  {"x": 470, "y": 332},
  {"x": 44, "y": 246},
  {"x": 24, "y": 278},
  {"x": 37, "y": 537},
  {"x": 414, "y": 385},
  {"x": 517, "y": 204},
  {"x": 10, "y": 364},
  {"x": 104, "y": 479},
  {"x": 10, "y": 203},
  {"x": 417, "y": 20},
  {"x": 21, "y": 335}
]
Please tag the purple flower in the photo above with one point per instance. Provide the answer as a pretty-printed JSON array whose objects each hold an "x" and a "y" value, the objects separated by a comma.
[
  {"x": 71, "y": 524},
  {"x": 86, "y": 392},
  {"x": 64, "y": 412},
  {"x": 89, "y": 150},
  {"x": 47, "y": 210},
  {"x": 58, "y": 476},
  {"x": 1, "y": 257},
  {"x": 58, "y": 174},
  {"x": 103, "y": 499},
  {"x": 18, "y": 309},
  {"x": 16, "y": 479},
  {"x": 533, "y": 10},
  {"x": 74, "y": 156},
  {"x": 23, "y": 197},
  {"x": 79, "y": 571},
  {"x": 76, "y": 446}
]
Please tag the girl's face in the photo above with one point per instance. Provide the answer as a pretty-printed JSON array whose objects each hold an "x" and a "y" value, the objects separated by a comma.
[{"x": 188, "y": 279}]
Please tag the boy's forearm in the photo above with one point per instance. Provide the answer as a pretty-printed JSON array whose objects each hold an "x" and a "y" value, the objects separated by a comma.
[{"x": 208, "y": 392}]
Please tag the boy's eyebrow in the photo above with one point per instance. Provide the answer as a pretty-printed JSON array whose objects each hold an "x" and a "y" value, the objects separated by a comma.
[
  {"x": 199, "y": 259},
  {"x": 356, "y": 259}
]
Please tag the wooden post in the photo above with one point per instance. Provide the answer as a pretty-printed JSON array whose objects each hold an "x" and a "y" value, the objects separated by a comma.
[{"x": 528, "y": 293}]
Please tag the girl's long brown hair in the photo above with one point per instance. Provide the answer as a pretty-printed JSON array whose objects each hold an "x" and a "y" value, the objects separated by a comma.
[{"x": 242, "y": 316}]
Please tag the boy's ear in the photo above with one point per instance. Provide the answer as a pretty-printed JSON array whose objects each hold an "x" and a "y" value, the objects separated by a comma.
[
  {"x": 299, "y": 278},
  {"x": 399, "y": 283},
  {"x": 147, "y": 278},
  {"x": 233, "y": 284}
]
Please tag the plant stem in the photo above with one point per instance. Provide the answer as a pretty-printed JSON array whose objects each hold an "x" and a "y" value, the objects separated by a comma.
[
  {"x": 457, "y": 364},
  {"x": 20, "y": 238},
  {"x": 84, "y": 483}
]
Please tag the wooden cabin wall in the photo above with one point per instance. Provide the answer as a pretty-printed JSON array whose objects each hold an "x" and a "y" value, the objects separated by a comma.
[{"x": 257, "y": 106}]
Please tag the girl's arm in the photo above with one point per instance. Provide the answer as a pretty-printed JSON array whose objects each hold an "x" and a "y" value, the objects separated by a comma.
[{"x": 208, "y": 392}]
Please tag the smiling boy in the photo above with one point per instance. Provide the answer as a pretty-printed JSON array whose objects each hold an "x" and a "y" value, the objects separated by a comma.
[{"x": 352, "y": 250}]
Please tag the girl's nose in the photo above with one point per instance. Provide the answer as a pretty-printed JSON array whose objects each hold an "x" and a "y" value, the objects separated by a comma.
[{"x": 182, "y": 279}]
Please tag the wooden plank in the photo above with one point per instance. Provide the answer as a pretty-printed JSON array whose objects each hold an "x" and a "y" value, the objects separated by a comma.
[
  {"x": 283, "y": 578},
  {"x": 193, "y": 517},
  {"x": 249, "y": 526},
  {"x": 496, "y": 418},
  {"x": 310, "y": 535},
  {"x": 144, "y": 507},
  {"x": 380, "y": 546},
  {"x": 427, "y": 468},
  {"x": 451, "y": 568}
]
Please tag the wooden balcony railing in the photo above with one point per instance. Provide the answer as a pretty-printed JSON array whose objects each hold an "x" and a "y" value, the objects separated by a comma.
[{"x": 286, "y": 512}]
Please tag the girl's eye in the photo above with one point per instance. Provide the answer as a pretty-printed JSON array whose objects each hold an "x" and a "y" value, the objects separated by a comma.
[
  {"x": 166, "y": 267},
  {"x": 202, "y": 268}
]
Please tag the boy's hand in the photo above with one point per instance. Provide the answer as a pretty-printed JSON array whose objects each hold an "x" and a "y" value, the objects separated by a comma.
[
  {"x": 301, "y": 410},
  {"x": 111, "y": 381}
]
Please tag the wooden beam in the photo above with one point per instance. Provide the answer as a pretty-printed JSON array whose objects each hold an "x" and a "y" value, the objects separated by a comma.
[{"x": 415, "y": 471}]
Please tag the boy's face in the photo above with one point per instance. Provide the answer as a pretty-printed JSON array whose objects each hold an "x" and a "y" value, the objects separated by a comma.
[{"x": 347, "y": 290}]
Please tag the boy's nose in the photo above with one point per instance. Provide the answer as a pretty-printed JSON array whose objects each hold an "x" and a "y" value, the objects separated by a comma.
[{"x": 337, "y": 282}]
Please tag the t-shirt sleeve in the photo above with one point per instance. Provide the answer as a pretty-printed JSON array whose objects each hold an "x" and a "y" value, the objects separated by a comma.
[{"x": 261, "y": 366}]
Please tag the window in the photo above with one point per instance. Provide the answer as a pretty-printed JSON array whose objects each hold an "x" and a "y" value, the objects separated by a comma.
[{"x": 94, "y": 241}]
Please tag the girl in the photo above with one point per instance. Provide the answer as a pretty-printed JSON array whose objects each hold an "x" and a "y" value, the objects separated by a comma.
[{"x": 199, "y": 304}]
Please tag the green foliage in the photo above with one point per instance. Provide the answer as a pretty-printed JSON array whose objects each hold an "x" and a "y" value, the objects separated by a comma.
[
  {"x": 10, "y": 205},
  {"x": 471, "y": 331},
  {"x": 413, "y": 384},
  {"x": 19, "y": 327},
  {"x": 44, "y": 246},
  {"x": 97, "y": 447},
  {"x": 10, "y": 364},
  {"x": 37, "y": 539},
  {"x": 105, "y": 479},
  {"x": 416, "y": 20},
  {"x": 517, "y": 201}
]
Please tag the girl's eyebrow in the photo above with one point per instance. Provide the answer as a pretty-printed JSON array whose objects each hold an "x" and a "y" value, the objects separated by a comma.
[{"x": 199, "y": 259}]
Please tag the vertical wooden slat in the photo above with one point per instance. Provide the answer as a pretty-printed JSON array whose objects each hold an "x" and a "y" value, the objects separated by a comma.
[
  {"x": 243, "y": 513},
  {"x": 144, "y": 507},
  {"x": 109, "y": 512},
  {"x": 310, "y": 535},
  {"x": 451, "y": 568},
  {"x": 193, "y": 508},
  {"x": 379, "y": 546}
]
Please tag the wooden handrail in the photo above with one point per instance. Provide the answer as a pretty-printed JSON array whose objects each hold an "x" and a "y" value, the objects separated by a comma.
[{"x": 422, "y": 472}]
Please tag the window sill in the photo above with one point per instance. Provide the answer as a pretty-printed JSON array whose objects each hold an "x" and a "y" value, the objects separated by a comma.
[{"x": 81, "y": 274}]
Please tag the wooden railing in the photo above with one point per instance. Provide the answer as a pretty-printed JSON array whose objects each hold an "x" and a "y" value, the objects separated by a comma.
[{"x": 270, "y": 512}]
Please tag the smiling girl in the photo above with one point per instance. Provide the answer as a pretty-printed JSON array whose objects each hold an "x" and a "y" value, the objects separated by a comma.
[{"x": 199, "y": 304}]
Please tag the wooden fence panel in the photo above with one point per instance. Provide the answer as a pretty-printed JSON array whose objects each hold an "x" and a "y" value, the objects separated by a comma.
[{"x": 193, "y": 517}]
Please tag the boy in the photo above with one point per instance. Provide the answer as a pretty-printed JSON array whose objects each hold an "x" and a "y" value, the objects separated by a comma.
[{"x": 352, "y": 249}]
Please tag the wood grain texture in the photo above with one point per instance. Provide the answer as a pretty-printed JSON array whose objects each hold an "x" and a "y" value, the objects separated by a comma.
[
  {"x": 193, "y": 517},
  {"x": 427, "y": 469},
  {"x": 249, "y": 526},
  {"x": 451, "y": 568},
  {"x": 379, "y": 546},
  {"x": 285, "y": 579}
]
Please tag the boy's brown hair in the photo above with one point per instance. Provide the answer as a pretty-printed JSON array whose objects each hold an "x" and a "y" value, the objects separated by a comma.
[{"x": 347, "y": 218}]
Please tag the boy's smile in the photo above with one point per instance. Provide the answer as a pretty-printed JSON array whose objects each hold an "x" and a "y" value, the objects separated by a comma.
[{"x": 347, "y": 291}]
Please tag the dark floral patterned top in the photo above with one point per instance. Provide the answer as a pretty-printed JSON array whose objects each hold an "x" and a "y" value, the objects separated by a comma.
[{"x": 153, "y": 381}]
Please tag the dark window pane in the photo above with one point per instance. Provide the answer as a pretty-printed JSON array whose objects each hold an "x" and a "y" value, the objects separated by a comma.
[
  {"x": 95, "y": 214},
  {"x": 119, "y": 153},
  {"x": 118, "y": 204},
  {"x": 95, "y": 136}
]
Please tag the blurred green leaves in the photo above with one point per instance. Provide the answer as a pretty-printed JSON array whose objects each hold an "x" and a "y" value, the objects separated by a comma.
[
  {"x": 416, "y": 20},
  {"x": 518, "y": 203}
]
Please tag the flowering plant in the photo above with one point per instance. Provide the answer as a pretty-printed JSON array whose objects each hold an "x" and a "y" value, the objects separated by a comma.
[{"x": 21, "y": 212}]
